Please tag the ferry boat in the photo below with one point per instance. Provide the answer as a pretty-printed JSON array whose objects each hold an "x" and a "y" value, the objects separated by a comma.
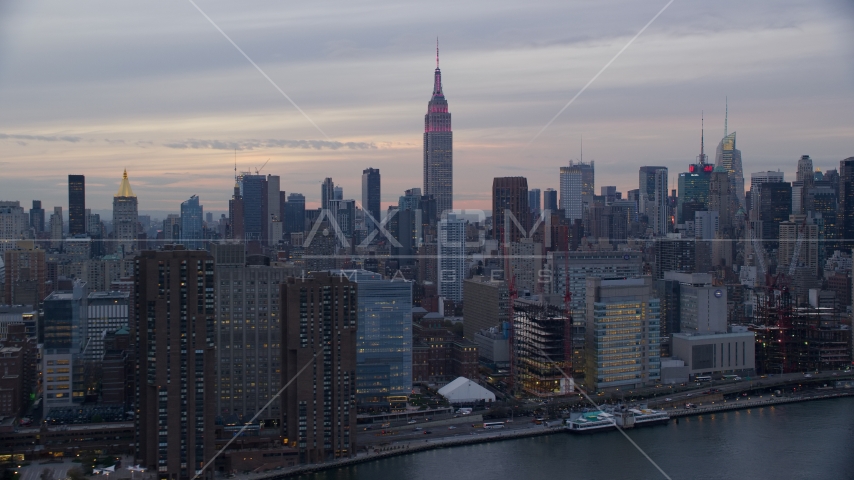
[
  {"x": 591, "y": 422},
  {"x": 621, "y": 416},
  {"x": 648, "y": 416}
]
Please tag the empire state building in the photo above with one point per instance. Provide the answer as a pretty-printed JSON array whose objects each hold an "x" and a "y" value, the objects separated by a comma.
[{"x": 439, "y": 147}]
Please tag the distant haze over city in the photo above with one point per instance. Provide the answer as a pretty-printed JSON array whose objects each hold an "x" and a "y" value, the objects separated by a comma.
[{"x": 94, "y": 87}]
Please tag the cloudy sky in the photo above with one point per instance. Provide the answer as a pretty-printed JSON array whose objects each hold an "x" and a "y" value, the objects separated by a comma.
[{"x": 93, "y": 87}]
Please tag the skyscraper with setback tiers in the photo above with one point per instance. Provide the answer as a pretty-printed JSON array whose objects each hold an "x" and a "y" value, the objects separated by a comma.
[{"x": 439, "y": 147}]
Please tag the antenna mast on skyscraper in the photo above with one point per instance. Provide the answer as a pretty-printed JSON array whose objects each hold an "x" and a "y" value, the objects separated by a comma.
[
  {"x": 702, "y": 140},
  {"x": 437, "y": 53},
  {"x": 726, "y": 116},
  {"x": 235, "y": 165}
]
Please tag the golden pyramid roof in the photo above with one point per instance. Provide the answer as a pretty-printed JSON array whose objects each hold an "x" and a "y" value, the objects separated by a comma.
[{"x": 124, "y": 188}]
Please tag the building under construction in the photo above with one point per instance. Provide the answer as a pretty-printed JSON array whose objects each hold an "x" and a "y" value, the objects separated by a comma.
[
  {"x": 798, "y": 339},
  {"x": 542, "y": 348}
]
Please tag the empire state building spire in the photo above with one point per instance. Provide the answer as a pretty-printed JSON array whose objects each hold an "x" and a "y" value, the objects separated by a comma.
[
  {"x": 437, "y": 76},
  {"x": 438, "y": 146}
]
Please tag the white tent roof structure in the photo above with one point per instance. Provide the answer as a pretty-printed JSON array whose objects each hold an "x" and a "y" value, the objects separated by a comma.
[{"x": 464, "y": 390}]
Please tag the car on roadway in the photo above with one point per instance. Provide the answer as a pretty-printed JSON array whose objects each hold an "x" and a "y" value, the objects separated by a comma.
[
  {"x": 452, "y": 427},
  {"x": 411, "y": 422},
  {"x": 418, "y": 429},
  {"x": 668, "y": 399},
  {"x": 427, "y": 432},
  {"x": 807, "y": 375}
]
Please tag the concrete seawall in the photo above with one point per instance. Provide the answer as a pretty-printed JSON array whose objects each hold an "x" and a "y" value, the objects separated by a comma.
[
  {"x": 407, "y": 449},
  {"x": 744, "y": 404},
  {"x": 511, "y": 435}
]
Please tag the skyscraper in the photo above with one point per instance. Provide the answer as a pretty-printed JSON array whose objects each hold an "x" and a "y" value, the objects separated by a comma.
[
  {"x": 729, "y": 157},
  {"x": 248, "y": 336},
  {"x": 125, "y": 218},
  {"x": 273, "y": 216},
  {"x": 192, "y": 230},
  {"x": 56, "y": 228},
  {"x": 539, "y": 348},
  {"x": 511, "y": 194},
  {"x": 254, "y": 193},
  {"x": 550, "y": 199},
  {"x": 107, "y": 312},
  {"x": 588, "y": 174},
  {"x": 534, "y": 201},
  {"x": 235, "y": 214},
  {"x": 485, "y": 304},
  {"x": 575, "y": 269},
  {"x": 571, "y": 188},
  {"x": 720, "y": 191},
  {"x": 25, "y": 274},
  {"x": 806, "y": 172},
  {"x": 407, "y": 225},
  {"x": 452, "y": 257},
  {"x": 371, "y": 196},
  {"x": 694, "y": 187},
  {"x": 14, "y": 223},
  {"x": 805, "y": 228},
  {"x": 821, "y": 199},
  {"x": 438, "y": 147},
  {"x": 344, "y": 213},
  {"x": 295, "y": 213},
  {"x": 659, "y": 218},
  {"x": 64, "y": 340},
  {"x": 804, "y": 182},
  {"x": 37, "y": 216},
  {"x": 646, "y": 190},
  {"x": 608, "y": 193},
  {"x": 384, "y": 340},
  {"x": 76, "y": 205},
  {"x": 772, "y": 205},
  {"x": 327, "y": 192},
  {"x": 693, "y": 191},
  {"x": 174, "y": 326},
  {"x": 763, "y": 177},
  {"x": 615, "y": 307},
  {"x": 846, "y": 202},
  {"x": 319, "y": 332}
]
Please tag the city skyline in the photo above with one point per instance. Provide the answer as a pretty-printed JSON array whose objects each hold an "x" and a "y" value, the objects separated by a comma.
[
  {"x": 297, "y": 271},
  {"x": 174, "y": 136}
]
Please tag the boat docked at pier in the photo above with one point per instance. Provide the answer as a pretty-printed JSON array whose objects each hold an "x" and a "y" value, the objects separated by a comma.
[{"x": 613, "y": 417}]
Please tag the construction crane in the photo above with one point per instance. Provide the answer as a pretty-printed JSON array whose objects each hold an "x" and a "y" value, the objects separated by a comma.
[{"x": 258, "y": 170}]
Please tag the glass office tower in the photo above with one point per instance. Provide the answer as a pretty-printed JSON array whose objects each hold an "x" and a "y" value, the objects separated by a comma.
[{"x": 384, "y": 337}]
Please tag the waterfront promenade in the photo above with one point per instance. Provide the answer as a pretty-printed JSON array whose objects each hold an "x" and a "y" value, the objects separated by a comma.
[{"x": 528, "y": 430}]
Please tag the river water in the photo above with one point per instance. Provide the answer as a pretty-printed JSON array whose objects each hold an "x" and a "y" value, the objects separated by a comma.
[{"x": 810, "y": 440}]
